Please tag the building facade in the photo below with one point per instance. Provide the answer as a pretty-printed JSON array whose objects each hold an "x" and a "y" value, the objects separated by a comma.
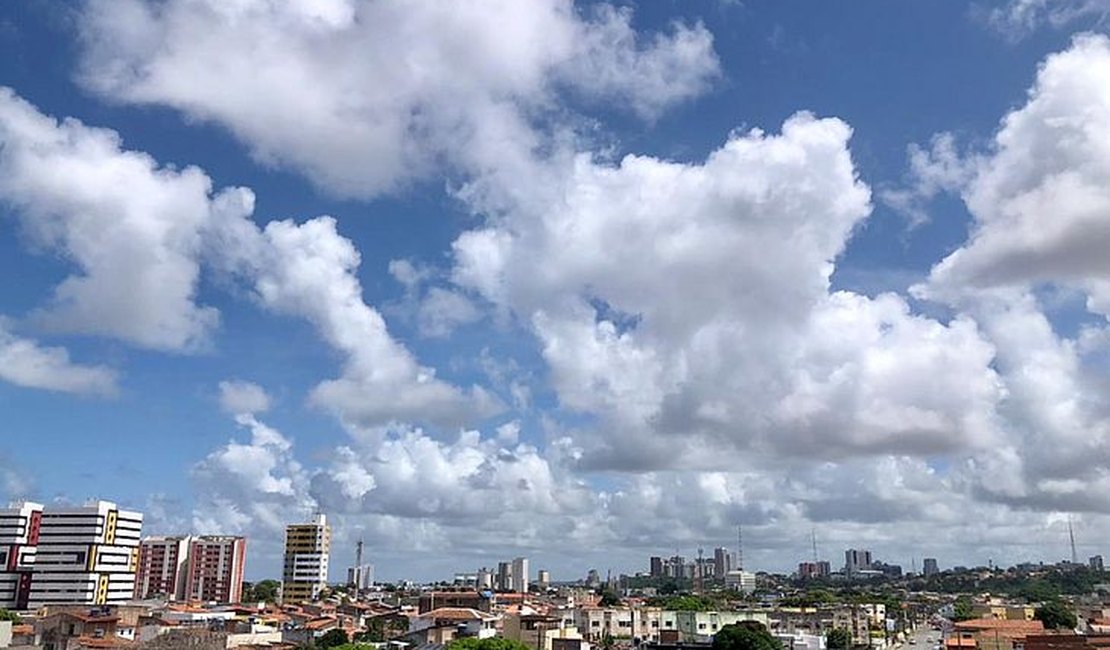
[
  {"x": 86, "y": 555},
  {"x": 19, "y": 538},
  {"x": 162, "y": 564},
  {"x": 520, "y": 575},
  {"x": 215, "y": 569},
  {"x": 929, "y": 567},
  {"x": 307, "y": 548},
  {"x": 856, "y": 560},
  {"x": 722, "y": 561}
]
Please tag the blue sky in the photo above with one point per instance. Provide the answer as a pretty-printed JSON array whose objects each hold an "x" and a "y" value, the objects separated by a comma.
[{"x": 585, "y": 282}]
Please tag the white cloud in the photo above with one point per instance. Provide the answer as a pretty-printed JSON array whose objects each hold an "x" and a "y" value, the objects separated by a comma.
[
  {"x": 1041, "y": 197},
  {"x": 256, "y": 486},
  {"x": 130, "y": 227},
  {"x": 24, "y": 362},
  {"x": 310, "y": 270},
  {"x": 141, "y": 235},
  {"x": 1041, "y": 211},
  {"x": 687, "y": 307},
  {"x": 940, "y": 168},
  {"x": 1016, "y": 19},
  {"x": 239, "y": 397},
  {"x": 367, "y": 96}
]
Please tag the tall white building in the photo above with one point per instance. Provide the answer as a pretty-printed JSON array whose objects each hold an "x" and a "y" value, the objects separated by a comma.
[
  {"x": 518, "y": 577},
  {"x": 19, "y": 537},
  {"x": 307, "y": 547},
  {"x": 86, "y": 555}
]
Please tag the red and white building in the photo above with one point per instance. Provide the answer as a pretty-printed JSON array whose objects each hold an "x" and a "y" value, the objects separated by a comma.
[
  {"x": 204, "y": 568},
  {"x": 19, "y": 538}
]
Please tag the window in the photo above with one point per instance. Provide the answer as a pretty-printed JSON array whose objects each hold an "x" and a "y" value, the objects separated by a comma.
[{"x": 701, "y": 626}]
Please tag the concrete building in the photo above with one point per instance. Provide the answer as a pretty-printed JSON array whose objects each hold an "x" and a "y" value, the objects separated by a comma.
[
  {"x": 362, "y": 577},
  {"x": 162, "y": 568},
  {"x": 216, "y": 569},
  {"x": 520, "y": 575},
  {"x": 19, "y": 538},
  {"x": 206, "y": 568},
  {"x": 544, "y": 578},
  {"x": 1095, "y": 562},
  {"x": 929, "y": 567},
  {"x": 485, "y": 578},
  {"x": 537, "y": 630},
  {"x": 856, "y": 560},
  {"x": 742, "y": 581},
  {"x": 504, "y": 580},
  {"x": 722, "y": 561},
  {"x": 655, "y": 566},
  {"x": 86, "y": 555},
  {"x": 307, "y": 548},
  {"x": 813, "y": 570}
]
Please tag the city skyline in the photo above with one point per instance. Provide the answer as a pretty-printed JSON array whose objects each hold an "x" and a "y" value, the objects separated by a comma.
[{"x": 576, "y": 282}]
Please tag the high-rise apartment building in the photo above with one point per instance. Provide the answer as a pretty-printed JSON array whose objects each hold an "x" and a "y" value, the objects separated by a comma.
[
  {"x": 856, "y": 560},
  {"x": 543, "y": 578},
  {"x": 162, "y": 568},
  {"x": 19, "y": 537},
  {"x": 655, "y": 566},
  {"x": 86, "y": 555},
  {"x": 722, "y": 561},
  {"x": 215, "y": 569},
  {"x": 520, "y": 575},
  {"x": 929, "y": 566},
  {"x": 811, "y": 570},
  {"x": 504, "y": 581},
  {"x": 307, "y": 547},
  {"x": 206, "y": 568}
]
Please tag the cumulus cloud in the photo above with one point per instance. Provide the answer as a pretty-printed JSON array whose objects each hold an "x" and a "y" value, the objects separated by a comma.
[
  {"x": 239, "y": 397},
  {"x": 24, "y": 362},
  {"x": 130, "y": 227},
  {"x": 256, "y": 486},
  {"x": 365, "y": 96},
  {"x": 1040, "y": 198},
  {"x": 1041, "y": 220},
  {"x": 142, "y": 233},
  {"x": 687, "y": 307}
]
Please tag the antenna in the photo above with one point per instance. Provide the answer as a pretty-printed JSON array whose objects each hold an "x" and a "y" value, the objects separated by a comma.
[
  {"x": 1071, "y": 536},
  {"x": 358, "y": 553},
  {"x": 813, "y": 536},
  {"x": 739, "y": 548},
  {"x": 699, "y": 571}
]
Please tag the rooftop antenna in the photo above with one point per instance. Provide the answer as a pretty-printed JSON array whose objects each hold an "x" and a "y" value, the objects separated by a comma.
[
  {"x": 1071, "y": 537},
  {"x": 813, "y": 537},
  {"x": 740, "y": 548},
  {"x": 358, "y": 554}
]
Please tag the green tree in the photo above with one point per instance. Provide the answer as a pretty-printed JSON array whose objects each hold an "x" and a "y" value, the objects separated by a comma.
[
  {"x": 839, "y": 639},
  {"x": 961, "y": 609},
  {"x": 265, "y": 591},
  {"x": 5, "y": 615},
  {"x": 607, "y": 642},
  {"x": 333, "y": 639},
  {"x": 1056, "y": 615},
  {"x": 492, "y": 643},
  {"x": 375, "y": 631},
  {"x": 746, "y": 635},
  {"x": 609, "y": 598}
]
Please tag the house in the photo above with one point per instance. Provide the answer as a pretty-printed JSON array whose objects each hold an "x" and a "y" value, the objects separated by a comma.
[{"x": 444, "y": 624}]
